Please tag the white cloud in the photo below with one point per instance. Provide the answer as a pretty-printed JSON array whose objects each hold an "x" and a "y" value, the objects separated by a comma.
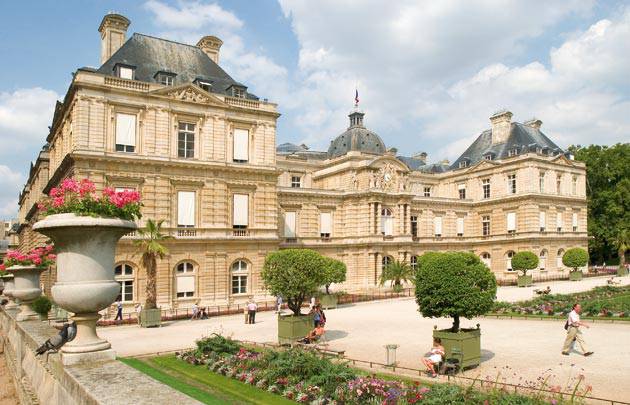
[{"x": 10, "y": 183}]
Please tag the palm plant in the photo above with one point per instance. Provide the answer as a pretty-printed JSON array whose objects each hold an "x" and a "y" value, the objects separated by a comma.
[
  {"x": 622, "y": 243},
  {"x": 396, "y": 272},
  {"x": 151, "y": 247}
]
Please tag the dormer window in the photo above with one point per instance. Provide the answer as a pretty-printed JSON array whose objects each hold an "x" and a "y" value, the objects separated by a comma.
[
  {"x": 513, "y": 152},
  {"x": 125, "y": 71},
  {"x": 487, "y": 156},
  {"x": 238, "y": 91},
  {"x": 463, "y": 163},
  {"x": 165, "y": 78},
  {"x": 539, "y": 150},
  {"x": 204, "y": 84}
]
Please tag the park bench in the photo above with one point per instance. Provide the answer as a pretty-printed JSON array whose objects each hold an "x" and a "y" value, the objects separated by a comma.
[
  {"x": 452, "y": 364},
  {"x": 321, "y": 345}
]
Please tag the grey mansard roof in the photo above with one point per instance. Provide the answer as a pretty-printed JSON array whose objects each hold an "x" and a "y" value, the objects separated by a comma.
[
  {"x": 150, "y": 55},
  {"x": 522, "y": 137}
]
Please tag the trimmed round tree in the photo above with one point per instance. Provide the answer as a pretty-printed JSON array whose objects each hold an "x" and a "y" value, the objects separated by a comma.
[
  {"x": 454, "y": 284},
  {"x": 575, "y": 258},
  {"x": 295, "y": 274},
  {"x": 523, "y": 261},
  {"x": 334, "y": 272}
]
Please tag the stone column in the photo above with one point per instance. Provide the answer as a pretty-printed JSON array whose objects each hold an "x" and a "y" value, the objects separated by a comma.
[
  {"x": 371, "y": 209},
  {"x": 378, "y": 218}
]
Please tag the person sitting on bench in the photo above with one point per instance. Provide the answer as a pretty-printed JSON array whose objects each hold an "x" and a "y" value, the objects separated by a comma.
[
  {"x": 436, "y": 355},
  {"x": 313, "y": 335}
]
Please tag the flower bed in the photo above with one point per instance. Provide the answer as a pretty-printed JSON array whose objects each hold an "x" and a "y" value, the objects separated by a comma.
[
  {"x": 599, "y": 302},
  {"x": 303, "y": 375}
]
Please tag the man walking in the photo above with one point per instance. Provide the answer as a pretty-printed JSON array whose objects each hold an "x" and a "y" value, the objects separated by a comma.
[
  {"x": 251, "y": 310},
  {"x": 119, "y": 308},
  {"x": 573, "y": 331}
]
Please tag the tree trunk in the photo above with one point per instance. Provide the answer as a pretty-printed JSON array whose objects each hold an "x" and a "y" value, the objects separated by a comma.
[
  {"x": 327, "y": 287},
  {"x": 151, "y": 290},
  {"x": 455, "y": 327},
  {"x": 622, "y": 256}
]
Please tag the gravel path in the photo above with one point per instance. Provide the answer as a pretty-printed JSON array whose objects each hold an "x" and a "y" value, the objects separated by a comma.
[{"x": 527, "y": 347}]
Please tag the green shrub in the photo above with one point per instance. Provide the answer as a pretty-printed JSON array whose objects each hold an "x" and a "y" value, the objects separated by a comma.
[
  {"x": 334, "y": 272},
  {"x": 42, "y": 305},
  {"x": 575, "y": 257},
  {"x": 217, "y": 344},
  {"x": 454, "y": 284},
  {"x": 523, "y": 261},
  {"x": 295, "y": 274}
]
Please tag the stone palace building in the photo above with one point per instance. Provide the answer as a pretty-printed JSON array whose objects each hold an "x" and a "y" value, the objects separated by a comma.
[{"x": 165, "y": 119}]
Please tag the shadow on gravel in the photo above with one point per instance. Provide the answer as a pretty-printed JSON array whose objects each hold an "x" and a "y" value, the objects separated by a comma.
[
  {"x": 486, "y": 355},
  {"x": 335, "y": 334}
]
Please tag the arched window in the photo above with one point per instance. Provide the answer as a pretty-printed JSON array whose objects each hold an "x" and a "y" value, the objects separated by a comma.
[
  {"x": 485, "y": 259},
  {"x": 387, "y": 222},
  {"x": 124, "y": 275},
  {"x": 508, "y": 259},
  {"x": 559, "y": 255},
  {"x": 414, "y": 262},
  {"x": 185, "y": 280},
  {"x": 386, "y": 261},
  {"x": 239, "y": 277},
  {"x": 542, "y": 259}
]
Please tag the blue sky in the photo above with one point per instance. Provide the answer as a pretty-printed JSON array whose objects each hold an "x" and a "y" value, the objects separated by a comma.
[{"x": 429, "y": 73}]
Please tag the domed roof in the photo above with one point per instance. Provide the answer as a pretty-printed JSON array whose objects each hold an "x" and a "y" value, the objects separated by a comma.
[{"x": 356, "y": 138}]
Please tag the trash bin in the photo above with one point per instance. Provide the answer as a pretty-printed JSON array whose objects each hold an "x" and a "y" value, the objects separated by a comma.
[{"x": 391, "y": 354}]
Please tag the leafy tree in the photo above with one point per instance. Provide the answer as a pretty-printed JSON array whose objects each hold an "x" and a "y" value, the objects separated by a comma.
[
  {"x": 574, "y": 258},
  {"x": 454, "y": 284},
  {"x": 335, "y": 272},
  {"x": 608, "y": 197},
  {"x": 295, "y": 274},
  {"x": 523, "y": 261},
  {"x": 396, "y": 272},
  {"x": 151, "y": 247}
]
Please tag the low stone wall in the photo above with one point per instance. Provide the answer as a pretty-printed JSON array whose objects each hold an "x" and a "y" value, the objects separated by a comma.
[{"x": 44, "y": 380}]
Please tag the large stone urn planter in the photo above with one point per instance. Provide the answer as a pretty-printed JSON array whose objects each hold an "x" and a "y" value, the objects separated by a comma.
[
  {"x": 85, "y": 284},
  {"x": 291, "y": 328},
  {"x": 575, "y": 275},
  {"x": 9, "y": 286},
  {"x": 467, "y": 343},
  {"x": 524, "y": 281},
  {"x": 26, "y": 281}
]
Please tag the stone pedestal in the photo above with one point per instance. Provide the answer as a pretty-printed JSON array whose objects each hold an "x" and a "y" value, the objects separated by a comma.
[{"x": 9, "y": 286}]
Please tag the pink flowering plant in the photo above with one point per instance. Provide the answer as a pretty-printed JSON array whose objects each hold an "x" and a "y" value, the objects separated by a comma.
[
  {"x": 41, "y": 257},
  {"x": 80, "y": 198}
]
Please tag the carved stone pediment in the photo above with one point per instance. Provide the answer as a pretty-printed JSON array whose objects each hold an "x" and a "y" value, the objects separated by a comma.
[
  {"x": 190, "y": 93},
  {"x": 388, "y": 178}
]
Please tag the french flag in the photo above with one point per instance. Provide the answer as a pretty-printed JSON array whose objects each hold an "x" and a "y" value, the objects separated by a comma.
[{"x": 356, "y": 96}]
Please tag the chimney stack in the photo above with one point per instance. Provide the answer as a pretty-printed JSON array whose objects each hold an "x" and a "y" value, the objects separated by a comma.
[
  {"x": 113, "y": 31},
  {"x": 501, "y": 125},
  {"x": 421, "y": 156},
  {"x": 210, "y": 45},
  {"x": 534, "y": 123}
]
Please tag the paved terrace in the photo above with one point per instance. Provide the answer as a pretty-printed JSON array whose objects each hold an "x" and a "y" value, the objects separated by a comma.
[{"x": 527, "y": 347}]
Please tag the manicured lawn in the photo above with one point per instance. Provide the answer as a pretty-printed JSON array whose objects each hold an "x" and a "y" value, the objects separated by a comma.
[{"x": 200, "y": 383}]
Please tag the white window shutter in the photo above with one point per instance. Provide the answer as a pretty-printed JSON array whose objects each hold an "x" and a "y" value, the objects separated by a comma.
[
  {"x": 559, "y": 219},
  {"x": 289, "y": 224},
  {"x": 575, "y": 219},
  {"x": 241, "y": 144},
  {"x": 388, "y": 222},
  {"x": 325, "y": 223},
  {"x": 460, "y": 225},
  {"x": 241, "y": 212},
  {"x": 511, "y": 221},
  {"x": 185, "y": 284},
  {"x": 542, "y": 219},
  {"x": 125, "y": 129},
  {"x": 437, "y": 225},
  {"x": 186, "y": 208}
]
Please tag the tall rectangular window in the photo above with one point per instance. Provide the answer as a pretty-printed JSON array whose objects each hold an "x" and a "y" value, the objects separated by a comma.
[
  {"x": 541, "y": 182},
  {"x": 485, "y": 185},
  {"x": 574, "y": 185},
  {"x": 126, "y": 291},
  {"x": 186, "y": 209},
  {"x": 239, "y": 284},
  {"x": 559, "y": 221},
  {"x": 186, "y": 140},
  {"x": 289, "y": 224},
  {"x": 414, "y": 225},
  {"x": 296, "y": 181},
  {"x": 241, "y": 145},
  {"x": 437, "y": 226},
  {"x": 240, "y": 208},
  {"x": 427, "y": 191},
  {"x": 125, "y": 132},
  {"x": 461, "y": 188},
  {"x": 511, "y": 222},
  {"x": 325, "y": 224},
  {"x": 511, "y": 184},
  {"x": 460, "y": 226},
  {"x": 574, "y": 221},
  {"x": 542, "y": 221},
  {"x": 485, "y": 225},
  {"x": 185, "y": 286}
]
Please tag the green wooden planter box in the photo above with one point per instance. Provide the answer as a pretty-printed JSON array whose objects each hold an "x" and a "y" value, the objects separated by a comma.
[
  {"x": 468, "y": 341},
  {"x": 291, "y": 328},
  {"x": 150, "y": 318},
  {"x": 575, "y": 275},
  {"x": 622, "y": 271},
  {"x": 524, "y": 281},
  {"x": 328, "y": 301}
]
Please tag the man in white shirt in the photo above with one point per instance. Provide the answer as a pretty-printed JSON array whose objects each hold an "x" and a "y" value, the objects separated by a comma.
[
  {"x": 251, "y": 310},
  {"x": 573, "y": 331}
]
